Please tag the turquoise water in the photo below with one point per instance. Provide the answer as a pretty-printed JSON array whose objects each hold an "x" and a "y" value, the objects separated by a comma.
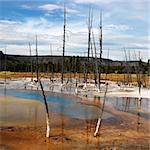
[
  {"x": 70, "y": 106},
  {"x": 61, "y": 104}
]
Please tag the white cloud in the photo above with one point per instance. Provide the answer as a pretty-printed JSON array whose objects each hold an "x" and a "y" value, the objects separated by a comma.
[
  {"x": 119, "y": 54},
  {"x": 119, "y": 27},
  {"x": 16, "y": 35},
  {"x": 49, "y": 7},
  {"x": 26, "y": 6},
  {"x": 93, "y": 1},
  {"x": 72, "y": 11}
]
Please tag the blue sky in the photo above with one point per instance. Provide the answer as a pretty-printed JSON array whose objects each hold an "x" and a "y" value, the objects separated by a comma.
[{"x": 125, "y": 25}]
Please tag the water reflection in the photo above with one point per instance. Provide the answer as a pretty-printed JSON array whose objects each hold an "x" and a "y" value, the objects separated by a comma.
[
  {"x": 131, "y": 105},
  {"x": 139, "y": 102}
]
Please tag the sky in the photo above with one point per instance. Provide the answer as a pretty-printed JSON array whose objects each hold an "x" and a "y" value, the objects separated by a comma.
[{"x": 125, "y": 27}]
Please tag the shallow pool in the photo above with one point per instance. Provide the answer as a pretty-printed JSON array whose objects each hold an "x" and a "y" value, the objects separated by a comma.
[
  {"x": 66, "y": 105},
  {"x": 71, "y": 107}
]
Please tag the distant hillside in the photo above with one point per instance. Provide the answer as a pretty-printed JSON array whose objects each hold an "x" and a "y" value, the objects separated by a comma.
[{"x": 22, "y": 63}]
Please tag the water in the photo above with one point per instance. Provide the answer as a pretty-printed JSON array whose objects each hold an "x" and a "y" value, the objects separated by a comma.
[
  {"x": 71, "y": 107},
  {"x": 16, "y": 113},
  {"x": 131, "y": 105},
  {"x": 66, "y": 105}
]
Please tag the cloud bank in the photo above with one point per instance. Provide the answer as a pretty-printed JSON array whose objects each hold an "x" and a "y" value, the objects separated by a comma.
[{"x": 124, "y": 26}]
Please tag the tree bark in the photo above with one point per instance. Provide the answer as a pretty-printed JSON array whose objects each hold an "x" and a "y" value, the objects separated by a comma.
[
  {"x": 47, "y": 112},
  {"x": 100, "y": 118}
]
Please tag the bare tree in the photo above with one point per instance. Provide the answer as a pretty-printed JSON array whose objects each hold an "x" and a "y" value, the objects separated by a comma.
[
  {"x": 139, "y": 83},
  {"x": 89, "y": 30},
  {"x": 47, "y": 112},
  {"x": 127, "y": 79},
  {"x": 138, "y": 75},
  {"x": 31, "y": 64},
  {"x": 76, "y": 87},
  {"x": 96, "y": 64},
  {"x": 90, "y": 20},
  {"x": 64, "y": 40},
  {"x": 43, "y": 93},
  {"x": 37, "y": 63},
  {"x": 100, "y": 44},
  {"x": 99, "y": 122}
]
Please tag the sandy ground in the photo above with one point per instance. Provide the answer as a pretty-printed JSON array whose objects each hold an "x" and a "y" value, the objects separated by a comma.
[{"x": 125, "y": 131}]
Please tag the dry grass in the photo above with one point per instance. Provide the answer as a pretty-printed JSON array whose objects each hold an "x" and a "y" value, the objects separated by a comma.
[{"x": 111, "y": 77}]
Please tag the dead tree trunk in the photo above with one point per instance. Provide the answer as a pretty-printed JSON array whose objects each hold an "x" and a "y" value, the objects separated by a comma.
[
  {"x": 107, "y": 67},
  {"x": 96, "y": 64},
  {"x": 89, "y": 42},
  {"x": 76, "y": 89},
  {"x": 138, "y": 75},
  {"x": 127, "y": 69},
  {"x": 64, "y": 40},
  {"x": 31, "y": 67},
  {"x": 139, "y": 83},
  {"x": 100, "y": 57},
  {"x": 37, "y": 63},
  {"x": 99, "y": 122},
  {"x": 47, "y": 112}
]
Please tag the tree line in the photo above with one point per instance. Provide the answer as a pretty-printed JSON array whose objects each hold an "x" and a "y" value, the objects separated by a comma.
[{"x": 72, "y": 64}]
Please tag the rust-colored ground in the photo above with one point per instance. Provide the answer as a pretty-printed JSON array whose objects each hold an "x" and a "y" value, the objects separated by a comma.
[{"x": 79, "y": 138}]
